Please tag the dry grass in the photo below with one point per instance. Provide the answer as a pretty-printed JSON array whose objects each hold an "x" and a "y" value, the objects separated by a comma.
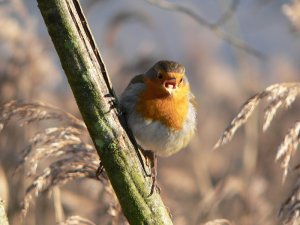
[
  {"x": 33, "y": 112},
  {"x": 277, "y": 95},
  {"x": 287, "y": 148},
  {"x": 77, "y": 220},
  {"x": 198, "y": 185},
  {"x": 292, "y": 11},
  {"x": 67, "y": 155},
  {"x": 289, "y": 210}
]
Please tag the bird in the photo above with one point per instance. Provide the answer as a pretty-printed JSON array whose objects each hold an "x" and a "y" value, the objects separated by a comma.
[{"x": 160, "y": 110}]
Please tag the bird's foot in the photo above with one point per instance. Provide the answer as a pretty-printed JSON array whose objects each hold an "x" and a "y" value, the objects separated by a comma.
[
  {"x": 154, "y": 186},
  {"x": 99, "y": 171},
  {"x": 151, "y": 161}
]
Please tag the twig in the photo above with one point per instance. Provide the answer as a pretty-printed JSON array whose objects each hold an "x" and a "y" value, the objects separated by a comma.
[
  {"x": 214, "y": 27},
  {"x": 228, "y": 13}
]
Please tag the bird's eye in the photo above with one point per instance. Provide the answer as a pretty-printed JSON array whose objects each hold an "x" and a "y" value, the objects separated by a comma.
[
  {"x": 181, "y": 80},
  {"x": 159, "y": 76}
]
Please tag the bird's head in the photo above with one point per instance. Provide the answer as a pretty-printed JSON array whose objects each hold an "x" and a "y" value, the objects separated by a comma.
[{"x": 166, "y": 78}]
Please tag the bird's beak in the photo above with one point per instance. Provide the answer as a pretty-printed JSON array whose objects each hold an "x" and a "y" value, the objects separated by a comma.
[{"x": 170, "y": 85}]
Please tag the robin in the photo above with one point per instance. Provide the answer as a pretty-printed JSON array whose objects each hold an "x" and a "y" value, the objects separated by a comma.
[{"x": 160, "y": 110}]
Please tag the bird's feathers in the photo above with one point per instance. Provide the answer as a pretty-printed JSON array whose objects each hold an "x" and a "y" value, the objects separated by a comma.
[{"x": 163, "y": 125}]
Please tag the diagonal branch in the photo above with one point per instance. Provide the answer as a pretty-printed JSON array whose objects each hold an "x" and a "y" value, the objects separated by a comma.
[
  {"x": 228, "y": 13},
  {"x": 94, "y": 95},
  {"x": 214, "y": 27}
]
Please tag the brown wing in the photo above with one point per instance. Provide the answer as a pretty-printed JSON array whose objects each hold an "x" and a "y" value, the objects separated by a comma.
[
  {"x": 137, "y": 79},
  {"x": 128, "y": 96}
]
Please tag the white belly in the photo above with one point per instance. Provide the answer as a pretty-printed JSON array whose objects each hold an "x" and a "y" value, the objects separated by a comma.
[{"x": 155, "y": 136}]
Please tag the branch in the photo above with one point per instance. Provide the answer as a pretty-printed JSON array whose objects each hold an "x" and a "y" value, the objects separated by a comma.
[
  {"x": 228, "y": 13},
  {"x": 93, "y": 92},
  {"x": 214, "y": 27}
]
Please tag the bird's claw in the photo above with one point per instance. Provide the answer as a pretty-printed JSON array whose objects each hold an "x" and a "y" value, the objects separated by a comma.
[
  {"x": 151, "y": 161},
  {"x": 99, "y": 171},
  {"x": 154, "y": 186},
  {"x": 148, "y": 162}
]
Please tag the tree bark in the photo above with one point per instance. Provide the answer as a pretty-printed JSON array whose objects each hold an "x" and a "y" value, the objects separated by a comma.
[{"x": 93, "y": 92}]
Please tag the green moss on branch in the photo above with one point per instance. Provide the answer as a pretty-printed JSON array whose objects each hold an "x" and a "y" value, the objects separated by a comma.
[{"x": 91, "y": 87}]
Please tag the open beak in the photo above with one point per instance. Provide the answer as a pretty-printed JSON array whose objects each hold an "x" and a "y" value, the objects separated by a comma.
[{"x": 170, "y": 85}]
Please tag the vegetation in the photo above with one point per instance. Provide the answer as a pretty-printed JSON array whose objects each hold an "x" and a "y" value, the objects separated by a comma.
[{"x": 47, "y": 154}]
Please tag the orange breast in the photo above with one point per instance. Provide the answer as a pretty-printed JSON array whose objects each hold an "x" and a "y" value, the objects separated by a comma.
[{"x": 169, "y": 110}]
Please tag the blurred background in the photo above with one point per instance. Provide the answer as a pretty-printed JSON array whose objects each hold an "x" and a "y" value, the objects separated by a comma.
[{"x": 239, "y": 182}]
